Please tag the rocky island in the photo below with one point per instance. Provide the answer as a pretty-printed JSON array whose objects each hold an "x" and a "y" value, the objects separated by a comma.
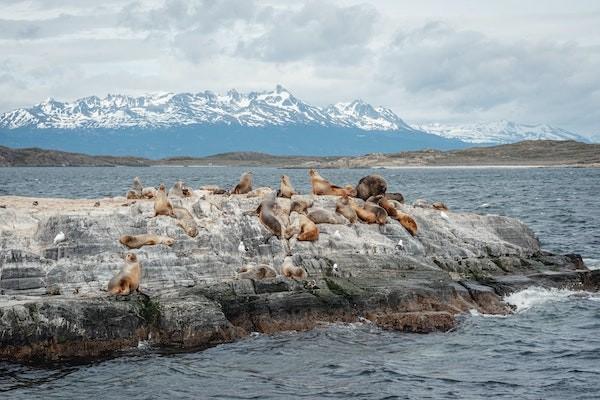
[{"x": 54, "y": 303}]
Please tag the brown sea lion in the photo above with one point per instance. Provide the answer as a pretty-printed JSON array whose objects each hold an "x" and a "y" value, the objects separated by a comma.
[
  {"x": 136, "y": 189},
  {"x": 300, "y": 205},
  {"x": 128, "y": 279},
  {"x": 370, "y": 185},
  {"x": 245, "y": 184},
  {"x": 186, "y": 221},
  {"x": 137, "y": 241},
  {"x": 323, "y": 216},
  {"x": 257, "y": 272},
  {"x": 309, "y": 232},
  {"x": 289, "y": 270},
  {"x": 404, "y": 219},
  {"x": 162, "y": 205},
  {"x": 343, "y": 207},
  {"x": 438, "y": 205},
  {"x": 285, "y": 188},
  {"x": 322, "y": 187},
  {"x": 268, "y": 211},
  {"x": 180, "y": 190},
  {"x": 395, "y": 196},
  {"x": 370, "y": 213},
  {"x": 380, "y": 213}
]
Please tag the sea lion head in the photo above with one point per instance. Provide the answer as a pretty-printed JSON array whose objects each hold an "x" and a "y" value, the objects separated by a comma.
[
  {"x": 131, "y": 257},
  {"x": 169, "y": 241},
  {"x": 161, "y": 187},
  {"x": 312, "y": 172}
]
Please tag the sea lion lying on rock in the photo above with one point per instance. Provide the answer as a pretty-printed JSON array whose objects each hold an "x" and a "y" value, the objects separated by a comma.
[
  {"x": 306, "y": 229},
  {"x": 344, "y": 208},
  {"x": 289, "y": 270},
  {"x": 404, "y": 219},
  {"x": 257, "y": 272},
  {"x": 323, "y": 216},
  {"x": 370, "y": 185},
  {"x": 395, "y": 196},
  {"x": 285, "y": 187},
  {"x": 136, "y": 189},
  {"x": 245, "y": 184},
  {"x": 300, "y": 205},
  {"x": 322, "y": 187},
  {"x": 162, "y": 205},
  {"x": 137, "y": 241},
  {"x": 370, "y": 213},
  {"x": 128, "y": 279},
  {"x": 186, "y": 221}
]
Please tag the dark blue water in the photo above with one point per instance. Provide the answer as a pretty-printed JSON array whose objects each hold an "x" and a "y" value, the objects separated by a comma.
[{"x": 550, "y": 349}]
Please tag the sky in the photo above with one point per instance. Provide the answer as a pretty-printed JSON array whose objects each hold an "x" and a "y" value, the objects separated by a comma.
[{"x": 457, "y": 61}]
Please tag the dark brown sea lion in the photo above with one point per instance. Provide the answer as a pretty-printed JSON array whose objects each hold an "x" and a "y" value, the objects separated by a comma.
[
  {"x": 370, "y": 185},
  {"x": 268, "y": 211}
]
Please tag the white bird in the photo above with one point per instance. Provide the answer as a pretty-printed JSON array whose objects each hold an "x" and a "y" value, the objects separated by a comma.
[
  {"x": 335, "y": 270},
  {"x": 400, "y": 244},
  {"x": 444, "y": 216},
  {"x": 242, "y": 248},
  {"x": 60, "y": 238},
  {"x": 337, "y": 234}
]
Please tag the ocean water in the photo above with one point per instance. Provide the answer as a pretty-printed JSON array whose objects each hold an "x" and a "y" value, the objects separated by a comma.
[{"x": 549, "y": 349}]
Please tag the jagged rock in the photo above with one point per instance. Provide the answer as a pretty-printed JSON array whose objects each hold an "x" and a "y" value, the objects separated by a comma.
[{"x": 54, "y": 305}]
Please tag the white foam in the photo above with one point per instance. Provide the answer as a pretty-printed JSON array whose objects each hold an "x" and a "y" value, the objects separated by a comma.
[
  {"x": 535, "y": 296},
  {"x": 475, "y": 313},
  {"x": 592, "y": 263}
]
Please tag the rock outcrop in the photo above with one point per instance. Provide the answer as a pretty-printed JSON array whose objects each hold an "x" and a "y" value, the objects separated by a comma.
[{"x": 54, "y": 304}]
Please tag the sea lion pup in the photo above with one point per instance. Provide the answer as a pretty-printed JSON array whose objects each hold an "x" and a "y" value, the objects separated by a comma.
[
  {"x": 162, "y": 205},
  {"x": 289, "y": 270},
  {"x": 438, "y": 205},
  {"x": 323, "y": 216},
  {"x": 268, "y": 211},
  {"x": 322, "y": 187},
  {"x": 344, "y": 208},
  {"x": 245, "y": 184},
  {"x": 405, "y": 220},
  {"x": 309, "y": 232},
  {"x": 285, "y": 187},
  {"x": 300, "y": 206},
  {"x": 257, "y": 272},
  {"x": 148, "y": 192},
  {"x": 128, "y": 279},
  {"x": 179, "y": 189},
  {"x": 137, "y": 241},
  {"x": 136, "y": 189},
  {"x": 370, "y": 185},
  {"x": 186, "y": 221}
]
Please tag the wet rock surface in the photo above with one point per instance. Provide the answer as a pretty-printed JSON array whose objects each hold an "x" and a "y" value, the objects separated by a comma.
[{"x": 54, "y": 304}]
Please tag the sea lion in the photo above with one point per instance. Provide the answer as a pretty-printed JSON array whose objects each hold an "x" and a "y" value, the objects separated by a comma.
[
  {"x": 180, "y": 190},
  {"x": 323, "y": 216},
  {"x": 370, "y": 185},
  {"x": 309, "y": 232},
  {"x": 395, "y": 196},
  {"x": 404, "y": 219},
  {"x": 343, "y": 207},
  {"x": 128, "y": 279},
  {"x": 186, "y": 221},
  {"x": 268, "y": 211},
  {"x": 245, "y": 184},
  {"x": 300, "y": 205},
  {"x": 322, "y": 187},
  {"x": 438, "y": 205},
  {"x": 289, "y": 270},
  {"x": 162, "y": 205},
  {"x": 380, "y": 213},
  {"x": 257, "y": 272},
  {"x": 136, "y": 189},
  {"x": 137, "y": 241},
  {"x": 148, "y": 192},
  {"x": 285, "y": 187},
  {"x": 370, "y": 213}
]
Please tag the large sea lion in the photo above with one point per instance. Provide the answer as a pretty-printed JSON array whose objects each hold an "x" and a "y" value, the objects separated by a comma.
[
  {"x": 268, "y": 211},
  {"x": 289, "y": 270},
  {"x": 343, "y": 207},
  {"x": 323, "y": 216},
  {"x": 370, "y": 185},
  {"x": 162, "y": 205},
  {"x": 245, "y": 184},
  {"x": 186, "y": 221},
  {"x": 137, "y": 241},
  {"x": 136, "y": 189},
  {"x": 322, "y": 187},
  {"x": 257, "y": 272},
  {"x": 128, "y": 279},
  {"x": 404, "y": 219},
  {"x": 285, "y": 187}
]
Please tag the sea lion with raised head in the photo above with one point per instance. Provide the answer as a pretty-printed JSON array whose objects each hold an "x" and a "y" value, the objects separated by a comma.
[
  {"x": 323, "y": 216},
  {"x": 136, "y": 189},
  {"x": 289, "y": 270},
  {"x": 162, "y": 205},
  {"x": 322, "y": 187},
  {"x": 268, "y": 211},
  {"x": 285, "y": 187},
  {"x": 257, "y": 272},
  {"x": 370, "y": 185},
  {"x": 245, "y": 184},
  {"x": 186, "y": 221},
  {"x": 128, "y": 279},
  {"x": 137, "y": 241},
  {"x": 344, "y": 208}
]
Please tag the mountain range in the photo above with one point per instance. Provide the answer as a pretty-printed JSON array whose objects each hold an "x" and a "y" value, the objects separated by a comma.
[{"x": 199, "y": 124}]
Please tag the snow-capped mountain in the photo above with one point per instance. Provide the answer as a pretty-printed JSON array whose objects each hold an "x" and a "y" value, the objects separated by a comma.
[
  {"x": 500, "y": 132},
  {"x": 256, "y": 109}
]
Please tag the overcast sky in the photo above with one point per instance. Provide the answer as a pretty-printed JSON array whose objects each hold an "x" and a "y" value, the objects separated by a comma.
[{"x": 429, "y": 61}]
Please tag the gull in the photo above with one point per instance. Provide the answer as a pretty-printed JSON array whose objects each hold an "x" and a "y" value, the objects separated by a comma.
[
  {"x": 400, "y": 244},
  {"x": 335, "y": 270},
  {"x": 444, "y": 216},
  {"x": 242, "y": 248},
  {"x": 337, "y": 234},
  {"x": 60, "y": 238}
]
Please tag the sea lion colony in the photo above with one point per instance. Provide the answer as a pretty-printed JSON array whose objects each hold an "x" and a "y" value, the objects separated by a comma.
[{"x": 373, "y": 206}]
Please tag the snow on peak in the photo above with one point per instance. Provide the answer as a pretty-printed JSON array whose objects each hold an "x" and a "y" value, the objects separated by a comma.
[{"x": 267, "y": 108}]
